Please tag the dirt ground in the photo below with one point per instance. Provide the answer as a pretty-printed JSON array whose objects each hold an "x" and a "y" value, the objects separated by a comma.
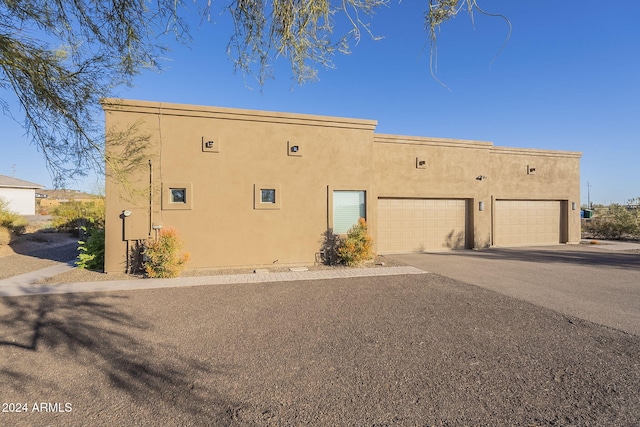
[{"x": 417, "y": 350}]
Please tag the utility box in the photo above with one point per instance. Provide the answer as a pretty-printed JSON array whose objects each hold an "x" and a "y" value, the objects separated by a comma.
[
  {"x": 586, "y": 213},
  {"x": 136, "y": 224}
]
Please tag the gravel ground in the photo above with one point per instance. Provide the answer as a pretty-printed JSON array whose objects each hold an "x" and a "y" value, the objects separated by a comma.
[{"x": 419, "y": 350}]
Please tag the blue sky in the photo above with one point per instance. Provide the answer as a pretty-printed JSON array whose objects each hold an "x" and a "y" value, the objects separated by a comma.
[{"x": 568, "y": 79}]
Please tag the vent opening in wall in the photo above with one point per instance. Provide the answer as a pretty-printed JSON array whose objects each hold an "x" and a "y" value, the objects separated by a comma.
[
  {"x": 531, "y": 170},
  {"x": 210, "y": 145},
  {"x": 294, "y": 149}
]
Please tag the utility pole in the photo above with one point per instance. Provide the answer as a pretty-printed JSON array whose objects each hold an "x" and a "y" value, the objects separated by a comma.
[
  {"x": 588, "y": 195},
  {"x": 13, "y": 170}
]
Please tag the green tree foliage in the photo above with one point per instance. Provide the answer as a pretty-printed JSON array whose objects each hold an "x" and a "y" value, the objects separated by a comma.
[{"x": 61, "y": 57}]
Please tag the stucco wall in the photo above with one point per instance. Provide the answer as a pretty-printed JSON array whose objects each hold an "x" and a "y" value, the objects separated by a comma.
[
  {"x": 221, "y": 225},
  {"x": 556, "y": 177},
  {"x": 20, "y": 200},
  {"x": 223, "y": 228}
]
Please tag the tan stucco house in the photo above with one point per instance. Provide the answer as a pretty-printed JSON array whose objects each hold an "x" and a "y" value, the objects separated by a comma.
[{"x": 254, "y": 188}]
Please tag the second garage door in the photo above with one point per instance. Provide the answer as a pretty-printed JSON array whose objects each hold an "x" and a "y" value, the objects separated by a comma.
[
  {"x": 417, "y": 225},
  {"x": 527, "y": 222}
]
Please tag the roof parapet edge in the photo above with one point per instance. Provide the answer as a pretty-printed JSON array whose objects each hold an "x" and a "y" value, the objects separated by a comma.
[
  {"x": 420, "y": 140},
  {"x": 536, "y": 152},
  {"x": 150, "y": 107}
]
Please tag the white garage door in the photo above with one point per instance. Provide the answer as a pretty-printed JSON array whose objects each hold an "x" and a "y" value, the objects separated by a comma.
[
  {"x": 417, "y": 225},
  {"x": 526, "y": 222}
]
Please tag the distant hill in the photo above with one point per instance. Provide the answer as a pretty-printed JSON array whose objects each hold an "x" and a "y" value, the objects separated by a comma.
[{"x": 65, "y": 195}]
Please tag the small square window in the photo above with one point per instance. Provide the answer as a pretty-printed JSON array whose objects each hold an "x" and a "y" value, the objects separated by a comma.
[
  {"x": 268, "y": 195},
  {"x": 178, "y": 195}
]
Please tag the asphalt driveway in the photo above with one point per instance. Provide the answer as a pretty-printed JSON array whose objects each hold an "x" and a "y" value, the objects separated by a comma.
[{"x": 591, "y": 282}]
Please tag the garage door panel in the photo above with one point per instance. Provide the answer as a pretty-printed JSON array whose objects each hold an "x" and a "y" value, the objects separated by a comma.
[
  {"x": 416, "y": 225},
  {"x": 526, "y": 222}
]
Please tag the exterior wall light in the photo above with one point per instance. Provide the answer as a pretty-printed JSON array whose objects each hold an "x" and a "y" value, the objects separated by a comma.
[
  {"x": 294, "y": 148},
  {"x": 481, "y": 177},
  {"x": 573, "y": 206},
  {"x": 481, "y": 206}
]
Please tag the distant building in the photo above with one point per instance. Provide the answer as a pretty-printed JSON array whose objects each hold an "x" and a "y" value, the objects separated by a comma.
[{"x": 20, "y": 195}]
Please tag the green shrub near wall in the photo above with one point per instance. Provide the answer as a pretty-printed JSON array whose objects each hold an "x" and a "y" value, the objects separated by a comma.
[{"x": 91, "y": 254}]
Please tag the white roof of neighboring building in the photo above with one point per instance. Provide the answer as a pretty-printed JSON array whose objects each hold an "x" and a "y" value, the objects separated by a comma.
[{"x": 10, "y": 182}]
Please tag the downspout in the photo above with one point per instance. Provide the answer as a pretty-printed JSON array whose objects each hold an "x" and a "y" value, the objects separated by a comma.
[{"x": 150, "y": 197}]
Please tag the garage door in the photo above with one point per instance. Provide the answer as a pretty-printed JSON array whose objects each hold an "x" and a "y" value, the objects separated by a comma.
[
  {"x": 526, "y": 222},
  {"x": 417, "y": 225}
]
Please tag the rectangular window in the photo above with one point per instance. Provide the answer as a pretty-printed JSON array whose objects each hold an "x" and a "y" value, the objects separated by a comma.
[
  {"x": 268, "y": 195},
  {"x": 348, "y": 207}
]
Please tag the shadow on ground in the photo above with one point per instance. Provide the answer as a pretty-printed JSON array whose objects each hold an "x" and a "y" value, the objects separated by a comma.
[
  {"x": 47, "y": 250},
  {"x": 624, "y": 260},
  {"x": 87, "y": 337}
]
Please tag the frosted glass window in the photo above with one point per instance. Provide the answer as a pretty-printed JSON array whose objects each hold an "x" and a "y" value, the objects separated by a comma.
[{"x": 348, "y": 207}]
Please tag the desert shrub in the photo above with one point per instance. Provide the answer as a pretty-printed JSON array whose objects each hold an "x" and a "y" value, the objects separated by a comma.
[
  {"x": 91, "y": 254},
  {"x": 72, "y": 216},
  {"x": 163, "y": 257},
  {"x": 614, "y": 223},
  {"x": 5, "y": 235},
  {"x": 357, "y": 246},
  {"x": 11, "y": 220}
]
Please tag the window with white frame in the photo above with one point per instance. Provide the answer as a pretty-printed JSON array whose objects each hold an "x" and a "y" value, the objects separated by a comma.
[{"x": 348, "y": 207}]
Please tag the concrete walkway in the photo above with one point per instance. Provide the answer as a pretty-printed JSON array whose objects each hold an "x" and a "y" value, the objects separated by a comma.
[{"x": 25, "y": 284}]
